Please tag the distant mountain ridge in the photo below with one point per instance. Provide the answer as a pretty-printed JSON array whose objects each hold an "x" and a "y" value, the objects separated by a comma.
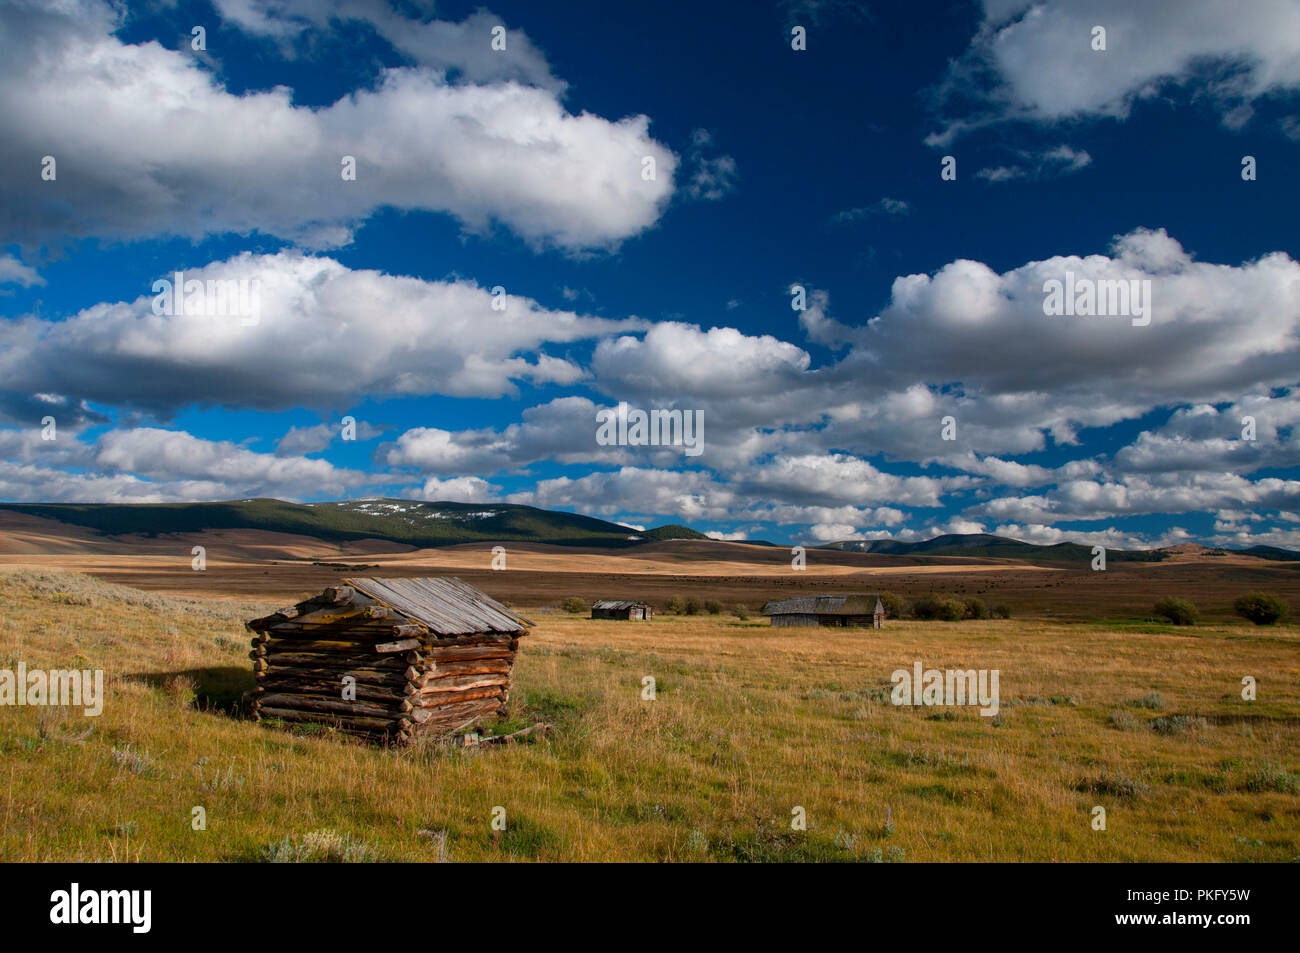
[
  {"x": 988, "y": 545},
  {"x": 423, "y": 523},
  {"x": 412, "y": 522},
  {"x": 1269, "y": 552}
]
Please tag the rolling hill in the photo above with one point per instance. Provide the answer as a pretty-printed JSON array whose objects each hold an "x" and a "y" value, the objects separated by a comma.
[
  {"x": 1270, "y": 552},
  {"x": 412, "y": 522},
  {"x": 423, "y": 524},
  {"x": 984, "y": 544}
]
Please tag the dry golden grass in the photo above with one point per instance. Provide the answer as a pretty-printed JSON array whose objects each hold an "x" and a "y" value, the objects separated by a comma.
[{"x": 749, "y": 722}]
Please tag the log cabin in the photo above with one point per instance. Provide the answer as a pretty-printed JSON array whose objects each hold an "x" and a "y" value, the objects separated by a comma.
[
  {"x": 827, "y": 610},
  {"x": 387, "y": 659}
]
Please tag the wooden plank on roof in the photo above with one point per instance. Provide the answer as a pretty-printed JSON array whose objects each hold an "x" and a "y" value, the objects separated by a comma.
[
  {"x": 446, "y": 605},
  {"x": 822, "y": 605}
]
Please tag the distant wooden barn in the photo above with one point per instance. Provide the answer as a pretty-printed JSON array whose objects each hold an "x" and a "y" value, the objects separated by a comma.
[
  {"x": 621, "y": 609},
  {"x": 864, "y": 611},
  {"x": 428, "y": 656}
]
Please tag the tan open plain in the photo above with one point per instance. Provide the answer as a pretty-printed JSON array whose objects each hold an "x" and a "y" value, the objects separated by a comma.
[
  {"x": 284, "y": 567},
  {"x": 747, "y": 725}
]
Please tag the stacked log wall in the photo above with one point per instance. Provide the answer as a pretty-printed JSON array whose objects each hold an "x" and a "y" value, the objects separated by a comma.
[{"x": 409, "y": 681}]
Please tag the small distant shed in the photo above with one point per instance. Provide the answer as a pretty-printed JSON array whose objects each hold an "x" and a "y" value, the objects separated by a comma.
[
  {"x": 863, "y": 611},
  {"x": 621, "y": 609},
  {"x": 424, "y": 655}
]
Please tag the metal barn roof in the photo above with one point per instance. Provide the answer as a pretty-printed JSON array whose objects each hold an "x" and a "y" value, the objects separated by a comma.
[
  {"x": 617, "y": 604},
  {"x": 446, "y": 605},
  {"x": 825, "y": 605}
]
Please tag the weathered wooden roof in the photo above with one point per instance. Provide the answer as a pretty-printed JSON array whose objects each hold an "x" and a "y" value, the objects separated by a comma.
[
  {"x": 617, "y": 604},
  {"x": 825, "y": 605},
  {"x": 446, "y": 605}
]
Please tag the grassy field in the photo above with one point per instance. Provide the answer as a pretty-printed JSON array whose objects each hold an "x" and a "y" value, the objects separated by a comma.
[{"x": 749, "y": 722}]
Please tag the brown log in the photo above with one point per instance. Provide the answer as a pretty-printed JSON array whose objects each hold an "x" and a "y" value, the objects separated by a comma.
[
  {"x": 376, "y": 612},
  {"x": 340, "y": 594},
  {"x": 471, "y": 667},
  {"x": 394, "y": 691},
  {"x": 540, "y": 728},
  {"x": 408, "y": 631},
  {"x": 397, "y": 687},
  {"x": 325, "y": 704},
  {"x": 402, "y": 645},
  {"x": 358, "y": 723},
  {"x": 453, "y": 714},
  {"x": 327, "y": 615},
  {"x": 389, "y": 695},
  {"x": 275, "y": 618},
  {"x": 456, "y": 683},
  {"x": 324, "y": 646},
  {"x": 456, "y": 698},
  {"x": 496, "y": 639},
  {"x": 337, "y": 660},
  {"x": 451, "y": 725},
  {"x": 337, "y": 627},
  {"x": 353, "y": 722},
  {"x": 455, "y": 653},
  {"x": 386, "y": 676}
]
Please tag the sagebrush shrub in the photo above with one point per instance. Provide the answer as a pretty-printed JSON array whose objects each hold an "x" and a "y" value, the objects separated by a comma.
[
  {"x": 1177, "y": 611},
  {"x": 1261, "y": 608}
]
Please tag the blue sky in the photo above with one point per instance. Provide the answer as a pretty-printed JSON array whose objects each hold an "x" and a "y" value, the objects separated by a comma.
[{"x": 523, "y": 168}]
